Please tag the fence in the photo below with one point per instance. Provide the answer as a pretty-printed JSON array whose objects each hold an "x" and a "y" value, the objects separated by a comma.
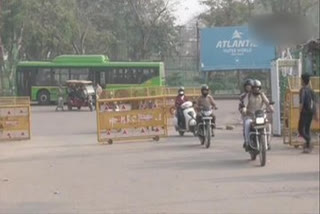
[
  {"x": 168, "y": 93},
  {"x": 131, "y": 119},
  {"x": 292, "y": 113},
  {"x": 145, "y": 92},
  {"x": 15, "y": 118}
]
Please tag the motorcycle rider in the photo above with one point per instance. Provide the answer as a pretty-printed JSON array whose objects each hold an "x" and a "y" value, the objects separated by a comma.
[
  {"x": 180, "y": 99},
  {"x": 206, "y": 101},
  {"x": 256, "y": 100},
  {"x": 243, "y": 101},
  {"x": 247, "y": 86}
]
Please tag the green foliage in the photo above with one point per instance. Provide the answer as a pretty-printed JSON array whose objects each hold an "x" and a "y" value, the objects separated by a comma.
[
  {"x": 123, "y": 30},
  {"x": 296, "y": 7},
  {"x": 175, "y": 79},
  {"x": 226, "y": 12}
]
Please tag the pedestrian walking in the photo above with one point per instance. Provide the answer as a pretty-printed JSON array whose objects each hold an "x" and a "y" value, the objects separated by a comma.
[
  {"x": 307, "y": 111},
  {"x": 61, "y": 93}
]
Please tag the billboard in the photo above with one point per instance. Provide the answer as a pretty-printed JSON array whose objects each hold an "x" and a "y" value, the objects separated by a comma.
[{"x": 230, "y": 48}]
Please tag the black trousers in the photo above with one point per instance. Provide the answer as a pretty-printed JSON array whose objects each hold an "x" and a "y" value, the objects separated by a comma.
[
  {"x": 304, "y": 126},
  {"x": 180, "y": 117}
]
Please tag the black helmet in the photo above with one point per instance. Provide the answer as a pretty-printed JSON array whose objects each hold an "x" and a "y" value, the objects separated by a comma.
[
  {"x": 203, "y": 89},
  {"x": 256, "y": 84},
  {"x": 181, "y": 91},
  {"x": 248, "y": 82}
]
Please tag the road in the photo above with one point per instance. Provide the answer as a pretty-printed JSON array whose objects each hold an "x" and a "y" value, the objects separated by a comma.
[{"x": 64, "y": 170}]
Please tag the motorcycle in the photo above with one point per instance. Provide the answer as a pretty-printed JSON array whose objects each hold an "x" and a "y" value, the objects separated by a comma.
[
  {"x": 260, "y": 136},
  {"x": 190, "y": 123},
  {"x": 206, "y": 127}
]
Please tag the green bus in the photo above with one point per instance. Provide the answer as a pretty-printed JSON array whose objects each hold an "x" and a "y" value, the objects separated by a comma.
[{"x": 41, "y": 80}]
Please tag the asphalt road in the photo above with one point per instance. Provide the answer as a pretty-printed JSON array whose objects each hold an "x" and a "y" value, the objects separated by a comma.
[{"x": 64, "y": 170}]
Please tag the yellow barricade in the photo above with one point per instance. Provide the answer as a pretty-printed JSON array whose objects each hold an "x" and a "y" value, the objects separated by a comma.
[
  {"x": 131, "y": 118},
  {"x": 15, "y": 118},
  {"x": 292, "y": 114}
]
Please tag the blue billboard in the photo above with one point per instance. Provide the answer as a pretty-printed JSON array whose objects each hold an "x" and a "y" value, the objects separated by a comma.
[{"x": 230, "y": 48}]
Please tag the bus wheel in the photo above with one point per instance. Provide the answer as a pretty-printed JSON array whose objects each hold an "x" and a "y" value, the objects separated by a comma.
[{"x": 44, "y": 97}]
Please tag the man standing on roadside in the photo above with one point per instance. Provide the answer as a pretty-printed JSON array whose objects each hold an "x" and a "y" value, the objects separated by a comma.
[
  {"x": 99, "y": 91},
  {"x": 307, "y": 111}
]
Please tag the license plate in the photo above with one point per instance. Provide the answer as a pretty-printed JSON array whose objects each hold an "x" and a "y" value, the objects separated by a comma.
[{"x": 207, "y": 118}]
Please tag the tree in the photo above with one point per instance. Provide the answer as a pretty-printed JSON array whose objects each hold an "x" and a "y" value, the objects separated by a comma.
[
  {"x": 226, "y": 12},
  {"x": 12, "y": 29},
  {"x": 287, "y": 23},
  {"x": 49, "y": 28},
  {"x": 122, "y": 29},
  {"x": 154, "y": 26},
  {"x": 296, "y": 7}
]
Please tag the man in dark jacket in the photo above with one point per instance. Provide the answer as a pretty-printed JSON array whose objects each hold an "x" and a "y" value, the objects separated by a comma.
[{"x": 307, "y": 111}]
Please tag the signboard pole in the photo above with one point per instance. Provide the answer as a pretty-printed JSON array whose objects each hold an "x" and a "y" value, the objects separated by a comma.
[
  {"x": 275, "y": 92},
  {"x": 198, "y": 48}
]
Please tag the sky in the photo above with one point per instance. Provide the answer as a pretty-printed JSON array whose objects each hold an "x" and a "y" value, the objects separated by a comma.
[{"x": 186, "y": 9}]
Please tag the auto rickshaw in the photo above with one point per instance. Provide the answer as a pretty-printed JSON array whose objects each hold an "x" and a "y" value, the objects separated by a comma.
[{"x": 80, "y": 94}]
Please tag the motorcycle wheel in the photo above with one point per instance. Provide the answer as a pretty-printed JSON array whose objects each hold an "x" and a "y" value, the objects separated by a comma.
[
  {"x": 253, "y": 156},
  {"x": 181, "y": 133},
  {"x": 262, "y": 152},
  {"x": 201, "y": 140},
  {"x": 207, "y": 136},
  {"x": 269, "y": 136}
]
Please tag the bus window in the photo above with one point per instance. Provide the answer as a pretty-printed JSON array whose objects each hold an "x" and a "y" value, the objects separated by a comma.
[
  {"x": 43, "y": 77},
  {"x": 122, "y": 78},
  {"x": 61, "y": 75},
  {"x": 64, "y": 75},
  {"x": 126, "y": 76},
  {"x": 139, "y": 76},
  {"x": 55, "y": 76},
  {"x": 23, "y": 81},
  {"x": 79, "y": 73},
  {"x": 102, "y": 78},
  {"x": 118, "y": 76},
  {"x": 132, "y": 76},
  {"x": 146, "y": 74}
]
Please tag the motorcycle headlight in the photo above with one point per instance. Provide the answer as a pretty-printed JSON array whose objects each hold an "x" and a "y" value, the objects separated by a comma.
[
  {"x": 259, "y": 120},
  {"x": 193, "y": 123},
  {"x": 207, "y": 113}
]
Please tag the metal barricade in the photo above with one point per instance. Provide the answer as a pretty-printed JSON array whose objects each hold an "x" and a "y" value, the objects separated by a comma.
[
  {"x": 292, "y": 113},
  {"x": 131, "y": 119},
  {"x": 15, "y": 118}
]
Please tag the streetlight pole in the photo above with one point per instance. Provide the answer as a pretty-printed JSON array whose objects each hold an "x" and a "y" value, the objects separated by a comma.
[{"x": 198, "y": 46}]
